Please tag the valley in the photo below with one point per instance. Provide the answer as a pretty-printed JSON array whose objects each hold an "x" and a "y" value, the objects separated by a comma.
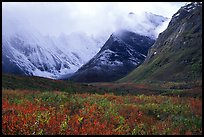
[
  {"x": 129, "y": 84},
  {"x": 40, "y": 106}
]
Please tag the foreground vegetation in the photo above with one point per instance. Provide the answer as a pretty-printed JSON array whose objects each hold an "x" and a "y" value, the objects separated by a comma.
[
  {"x": 35, "y": 112},
  {"x": 39, "y": 106}
]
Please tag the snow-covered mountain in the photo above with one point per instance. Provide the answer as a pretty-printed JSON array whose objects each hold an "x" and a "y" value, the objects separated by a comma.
[
  {"x": 26, "y": 51},
  {"x": 123, "y": 52},
  {"x": 47, "y": 57}
]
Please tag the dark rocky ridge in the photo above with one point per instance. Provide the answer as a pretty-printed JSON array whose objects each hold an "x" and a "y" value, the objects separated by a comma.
[{"x": 122, "y": 52}]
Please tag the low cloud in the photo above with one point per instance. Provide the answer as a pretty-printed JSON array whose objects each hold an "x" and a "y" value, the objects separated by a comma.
[{"x": 91, "y": 18}]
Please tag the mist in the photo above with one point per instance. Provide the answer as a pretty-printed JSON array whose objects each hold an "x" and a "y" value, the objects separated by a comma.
[{"x": 99, "y": 18}]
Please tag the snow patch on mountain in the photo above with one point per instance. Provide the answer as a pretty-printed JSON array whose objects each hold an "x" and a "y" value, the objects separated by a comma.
[
  {"x": 121, "y": 53},
  {"x": 45, "y": 56}
]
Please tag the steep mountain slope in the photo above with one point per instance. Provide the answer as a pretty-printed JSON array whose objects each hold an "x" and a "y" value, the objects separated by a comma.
[
  {"x": 46, "y": 57},
  {"x": 123, "y": 51},
  {"x": 177, "y": 53},
  {"x": 26, "y": 51}
]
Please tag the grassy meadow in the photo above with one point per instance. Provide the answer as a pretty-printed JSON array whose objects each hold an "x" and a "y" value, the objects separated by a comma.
[{"x": 66, "y": 108}]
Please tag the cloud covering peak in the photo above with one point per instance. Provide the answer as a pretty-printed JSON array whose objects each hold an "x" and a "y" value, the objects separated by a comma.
[{"x": 54, "y": 18}]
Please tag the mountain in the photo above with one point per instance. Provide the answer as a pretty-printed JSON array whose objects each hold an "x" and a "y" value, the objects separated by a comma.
[
  {"x": 176, "y": 55},
  {"x": 121, "y": 53},
  {"x": 125, "y": 50},
  {"x": 46, "y": 57},
  {"x": 25, "y": 51}
]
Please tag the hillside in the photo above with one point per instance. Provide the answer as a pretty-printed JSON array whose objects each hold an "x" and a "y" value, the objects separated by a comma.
[{"x": 176, "y": 55}]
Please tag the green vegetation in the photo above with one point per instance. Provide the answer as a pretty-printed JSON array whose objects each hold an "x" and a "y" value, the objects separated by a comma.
[
  {"x": 192, "y": 89},
  {"x": 178, "y": 55},
  {"x": 174, "y": 66}
]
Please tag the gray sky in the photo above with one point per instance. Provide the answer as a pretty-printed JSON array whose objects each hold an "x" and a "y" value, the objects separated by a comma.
[{"x": 65, "y": 17}]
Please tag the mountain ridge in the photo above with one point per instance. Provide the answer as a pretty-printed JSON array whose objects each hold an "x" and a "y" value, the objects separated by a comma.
[
  {"x": 123, "y": 51},
  {"x": 176, "y": 54}
]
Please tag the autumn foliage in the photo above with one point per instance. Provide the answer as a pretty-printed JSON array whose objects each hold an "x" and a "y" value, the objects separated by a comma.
[{"x": 27, "y": 112}]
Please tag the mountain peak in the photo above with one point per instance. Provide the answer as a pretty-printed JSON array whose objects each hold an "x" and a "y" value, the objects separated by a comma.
[
  {"x": 183, "y": 11},
  {"x": 122, "y": 52}
]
